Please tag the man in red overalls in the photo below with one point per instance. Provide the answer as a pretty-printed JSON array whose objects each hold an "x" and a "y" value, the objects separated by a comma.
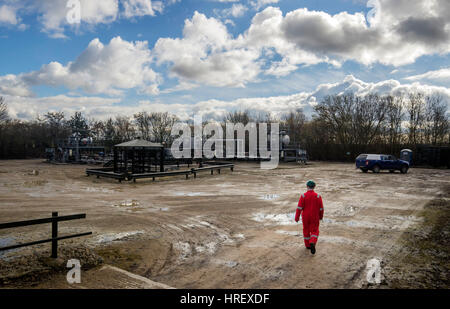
[{"x": 310, "y": 206}]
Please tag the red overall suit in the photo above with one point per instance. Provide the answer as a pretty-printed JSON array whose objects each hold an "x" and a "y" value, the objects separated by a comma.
[{"x": 311, "y": 205}]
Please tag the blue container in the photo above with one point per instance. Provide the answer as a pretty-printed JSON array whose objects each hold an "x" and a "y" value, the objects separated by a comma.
[{"x": 406, "y": 155}]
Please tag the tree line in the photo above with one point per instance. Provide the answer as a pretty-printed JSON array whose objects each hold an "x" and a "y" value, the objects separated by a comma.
[{"x": 341, "y": 127}]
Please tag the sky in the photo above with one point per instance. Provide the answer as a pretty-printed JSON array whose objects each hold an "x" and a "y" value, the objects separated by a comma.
[{"x": 119, "y": 57}]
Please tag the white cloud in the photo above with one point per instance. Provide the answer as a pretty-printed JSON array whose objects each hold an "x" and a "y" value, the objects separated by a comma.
[
  {"x": 52, "y": 14},
  {"x": 102, "y": 108},
  {"x": 12, "y": 85},
  {"x": 394, "y": 33},
  {"x": 134, "y": 8},
  {"x": 229, "y": 22},
  {"x": 266, "y": 33},
  {"x": 398, "y": 32},
  {"x": 262, "y": 3},
  {"x": 183, "y": 86},
  {"x": 208, "y": 54},
  {"x": 99, "y": 69},
  {"x": 236, "y": 10},
  {"x": 442, "y": 75},
  {"x": 29, "y": 108},
  {"x": 359, "y": 87},
  {"x": 307, "y": 100},
  {"x": 205, "y": 55},
  {"x": 8, "y": 15},
  {"x": 137, "y": 8}
]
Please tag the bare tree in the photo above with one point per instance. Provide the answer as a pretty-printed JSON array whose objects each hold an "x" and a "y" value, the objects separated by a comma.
[
  {"x": 294, "y": 122},
  {"x": 416, "y": 112},
  {"x": 394, "y": 118},
  {"x": 238, "y": 117},
  {"x": 436, "y": 124},
  {"x": 57, "y": 125},
  {"x": 109, "y": 133},
  {"x": 143, "y": 123},
  {"x": 351, "y": 122},
  {"x": 161, "y": 126},
  {"x": 97, "y": 129},
  {"x": 54, "y": 119},
  {"x": 124, "y": 129},
  {"x": 3, "y": 110},
  {"x": 369, "y": 113},
  {"x": 336, "y": 113}
]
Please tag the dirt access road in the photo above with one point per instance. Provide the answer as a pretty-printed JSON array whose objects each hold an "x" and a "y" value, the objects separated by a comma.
[{"x": 234, "y": 230}]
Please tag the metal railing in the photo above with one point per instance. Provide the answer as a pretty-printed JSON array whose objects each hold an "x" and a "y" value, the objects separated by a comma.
[
  {"x": 211, "y": 168},
  {"x": 54, "y": 219}
]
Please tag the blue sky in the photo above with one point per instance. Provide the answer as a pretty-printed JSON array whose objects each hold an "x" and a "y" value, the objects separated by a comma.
[{"x": 215, "y": 55}]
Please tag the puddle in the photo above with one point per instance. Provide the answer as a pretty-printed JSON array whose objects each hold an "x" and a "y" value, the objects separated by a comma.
[
  {"x": 216, "y": 237},
  {"x": 134, "y": 206},
  {"x": 105, "y": 238},
  {"x": 405, "y": 218},
  {"x": 277, "y": 219},
  {"x": 224, "y": 185},
  {"x": 238, "y": 236},
  {"x": 98, "y": 190},
  {"x": 128, "y": 203},
  {"x": 389, "y": 223},
  {"x": 206, "y": 224},
  {"x": 229, "y": 264},
  {"x": 4, "y": 242},
  {"x": 269, "y": 197},
  {"x": 191, "y": 194},
  {"x": 291, "y": 233}
]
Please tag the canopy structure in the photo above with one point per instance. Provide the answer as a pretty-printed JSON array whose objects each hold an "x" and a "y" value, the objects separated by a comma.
[
  {"x": 140, "y": 143},
  {"x": 138, "y": 156}
]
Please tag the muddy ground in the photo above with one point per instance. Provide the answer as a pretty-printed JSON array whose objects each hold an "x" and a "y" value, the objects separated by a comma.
[{"x": 233, "y": 230}]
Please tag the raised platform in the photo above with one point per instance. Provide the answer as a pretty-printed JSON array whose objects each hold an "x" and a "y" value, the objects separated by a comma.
[{"x": 109, "y": 173}]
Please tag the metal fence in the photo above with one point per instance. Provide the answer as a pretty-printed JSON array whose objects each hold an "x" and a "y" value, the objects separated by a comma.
[{"x": 54, "y": 219}]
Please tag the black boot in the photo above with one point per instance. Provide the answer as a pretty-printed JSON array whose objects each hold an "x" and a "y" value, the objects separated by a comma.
[{"x": 313, "y": 248}]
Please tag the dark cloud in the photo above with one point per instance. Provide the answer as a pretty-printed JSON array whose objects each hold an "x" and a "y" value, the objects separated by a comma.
[
  {"x": 318, "y": 32},
  {"x": 429, "y": 30}
]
